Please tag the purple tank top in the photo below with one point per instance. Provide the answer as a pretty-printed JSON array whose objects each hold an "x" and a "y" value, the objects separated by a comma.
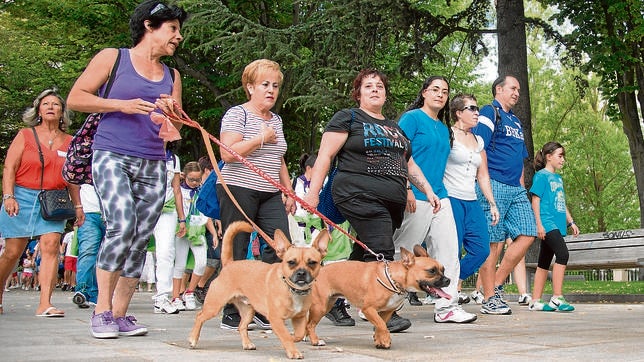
[{"x": 132, "y": 134}]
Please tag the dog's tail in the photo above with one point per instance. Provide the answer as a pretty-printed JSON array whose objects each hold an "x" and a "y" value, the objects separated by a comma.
[{"x": 227, "y": 243}]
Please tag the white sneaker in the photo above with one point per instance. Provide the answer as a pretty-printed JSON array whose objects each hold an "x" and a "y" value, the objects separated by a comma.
[
  {"x": 429, "y": 300},
  {"x": 524, "y": 299},
  {"x": 163, "y": 305},
  {"x": 189, "y": 299},
  {"x": 178, "y": 303},
  {"x": 454, "y": 315},
  {"x": 463, "y": 298},
  {"x": 477, "y": 297},
  {"x": 361, "y": 315}
]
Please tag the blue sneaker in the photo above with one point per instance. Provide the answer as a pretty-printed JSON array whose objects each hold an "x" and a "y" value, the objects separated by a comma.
[
  {"x": 495, "y": 305},
  {"x": 500, "y": 293},
  {"x": 560, "y": 304}
]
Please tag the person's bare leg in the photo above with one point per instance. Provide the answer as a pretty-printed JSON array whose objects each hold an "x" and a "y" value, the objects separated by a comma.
[
  {"x": 520, "y": 278},
  {"x": 519, "y": 274},
  {"x": 206, "y": 275},
  {"x": 558, "y": 272},
  {"x": 194, "y": 281},
  {"x": 106, "y": 282},
  {"x": 513, "y": 254},
  {"x": 488, "y": 270},
  {"x": 49, "y": 249},
  {"x": 540, "y": 277},
  {"x": 123, "y": 293},
  {"x": 13, "y": 249}
]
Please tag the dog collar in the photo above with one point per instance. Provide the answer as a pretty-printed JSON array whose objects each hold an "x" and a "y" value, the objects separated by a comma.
[
  {"x": 295, "y": 289},
  {"x": 392, "y": 287}
]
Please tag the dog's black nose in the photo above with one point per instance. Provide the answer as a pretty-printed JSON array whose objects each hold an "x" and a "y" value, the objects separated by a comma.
[
  {"x": 301, "y": 275},
  {"x": 443, "y": 282}
]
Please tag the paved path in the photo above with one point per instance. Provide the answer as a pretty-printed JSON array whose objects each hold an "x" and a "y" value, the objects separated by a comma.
[{"x": 593, "y": 332}]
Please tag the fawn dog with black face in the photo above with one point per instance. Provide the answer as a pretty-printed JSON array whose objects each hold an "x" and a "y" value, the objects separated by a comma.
[
  {"x": 377, "y": 288},
  {"x": 279, "y": 291}
]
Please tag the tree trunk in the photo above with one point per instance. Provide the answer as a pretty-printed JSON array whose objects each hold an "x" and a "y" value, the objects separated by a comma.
[
  {"x": 513, "y": 60},
  {"x": 631, "y": 124}
]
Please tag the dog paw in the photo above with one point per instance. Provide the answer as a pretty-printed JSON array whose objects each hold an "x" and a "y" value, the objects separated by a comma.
[
  {"x": 192, "y": 343},
  {"x": 320, "y": 343},
  {"x": 294, "y": 354},
  {"x": 249, "y": 346}
]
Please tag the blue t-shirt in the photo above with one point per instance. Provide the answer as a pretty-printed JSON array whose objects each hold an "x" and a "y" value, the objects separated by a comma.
[
  {"x": 430, "y": 148},
  {"x": 505, "y": 147},
  {"x": 548, "y": 187}
]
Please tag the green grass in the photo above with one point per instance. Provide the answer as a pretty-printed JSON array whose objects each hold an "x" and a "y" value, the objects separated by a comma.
[{"x": 590, "y": 287}]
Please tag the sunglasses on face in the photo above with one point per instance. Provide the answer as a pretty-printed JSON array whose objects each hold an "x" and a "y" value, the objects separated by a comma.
[
  {"x": 471, "y": 108},
  {"x": 193, "y": 179}
]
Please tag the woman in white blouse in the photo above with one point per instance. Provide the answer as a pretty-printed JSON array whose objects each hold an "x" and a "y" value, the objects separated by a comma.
[{"x": 466, "y": 165}]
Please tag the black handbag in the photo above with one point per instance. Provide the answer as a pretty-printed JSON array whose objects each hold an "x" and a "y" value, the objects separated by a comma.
[{"x": 55, "y": 205}]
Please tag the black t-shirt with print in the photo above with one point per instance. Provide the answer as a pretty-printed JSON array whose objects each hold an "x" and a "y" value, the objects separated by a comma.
[{"x": 374, "y": 158}]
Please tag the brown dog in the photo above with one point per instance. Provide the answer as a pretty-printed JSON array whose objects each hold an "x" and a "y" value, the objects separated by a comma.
[
  {"x": 279, "y": 291},
  {"x": 378, "y": 288}
]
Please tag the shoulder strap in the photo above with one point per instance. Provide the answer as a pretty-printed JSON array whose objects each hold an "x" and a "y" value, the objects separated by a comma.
[
  {"x": 42, "y": 159},
  {"x": 110, "y": 80},
  {"x": 171, "y": 73},
  {"x": 497, "y": 124}
]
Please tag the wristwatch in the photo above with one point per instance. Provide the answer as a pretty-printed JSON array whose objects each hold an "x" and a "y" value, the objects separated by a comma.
[{"x": 7, "y": 197}]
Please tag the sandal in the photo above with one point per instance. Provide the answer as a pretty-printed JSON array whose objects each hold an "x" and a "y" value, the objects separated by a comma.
[{"x": 51, "y": 312}]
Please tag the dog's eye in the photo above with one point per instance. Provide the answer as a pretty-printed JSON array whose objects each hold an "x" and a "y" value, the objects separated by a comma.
[
  {"x": 312, "y": 264},
  {"x": 431, "y": 271},
  {"x": 292, "y": 263}
]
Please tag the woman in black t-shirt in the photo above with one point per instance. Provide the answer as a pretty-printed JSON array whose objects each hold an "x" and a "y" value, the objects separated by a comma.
[{"x": 374, "y": 167}]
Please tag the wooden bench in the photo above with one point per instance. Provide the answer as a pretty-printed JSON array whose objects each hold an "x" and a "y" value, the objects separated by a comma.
[{"x": 608, "y": 250}]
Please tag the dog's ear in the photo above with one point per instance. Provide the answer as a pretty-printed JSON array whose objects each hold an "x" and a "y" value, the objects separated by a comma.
[
  {"x": 281, "y": 243},
  {"x": 407, "y": 257},
  {"x": 321, "y": 241},
  {"x": 420, "y": 251}
]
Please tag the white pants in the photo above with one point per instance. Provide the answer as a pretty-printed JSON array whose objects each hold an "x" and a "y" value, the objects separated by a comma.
[
  {"x": 164, "y": 235},
  {"x": 181, "y": 258},
  {"x": 438, "y": 231}
]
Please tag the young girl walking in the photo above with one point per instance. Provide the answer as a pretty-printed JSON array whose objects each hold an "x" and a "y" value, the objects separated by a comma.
[
  {"x": 553, "y": 218},
  {"x": 194, "y": 240}
]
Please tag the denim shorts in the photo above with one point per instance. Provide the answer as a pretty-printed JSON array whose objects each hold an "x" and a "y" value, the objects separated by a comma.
[{"x": 516, "y": 216}]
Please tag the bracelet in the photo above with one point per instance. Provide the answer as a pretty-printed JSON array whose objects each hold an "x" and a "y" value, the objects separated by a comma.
[
  {"x": 7, "y": 197},
  {"x": 571, "y": 223},
  {"x": 182, "y": 220},
  {"x": 79, "y": 206}
]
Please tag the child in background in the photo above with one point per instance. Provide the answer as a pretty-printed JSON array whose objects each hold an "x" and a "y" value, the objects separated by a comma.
[
  {"x": 553, "y": 218},
  {"x": 194, "y": 239}
]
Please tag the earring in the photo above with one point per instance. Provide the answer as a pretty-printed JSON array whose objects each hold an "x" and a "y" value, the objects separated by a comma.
[{"x": 39, "y": 119}]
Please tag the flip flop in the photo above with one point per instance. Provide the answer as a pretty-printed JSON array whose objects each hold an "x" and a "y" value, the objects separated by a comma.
[{"x": 48, "y": 313}]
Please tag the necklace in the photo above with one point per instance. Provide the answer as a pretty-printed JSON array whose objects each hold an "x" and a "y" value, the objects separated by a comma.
[
  {"x": 465, "y": 132},
  {"x": 50, "y": 142}
]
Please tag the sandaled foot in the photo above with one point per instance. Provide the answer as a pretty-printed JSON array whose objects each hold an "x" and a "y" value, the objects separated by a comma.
[{"x": 51, "y": 312}]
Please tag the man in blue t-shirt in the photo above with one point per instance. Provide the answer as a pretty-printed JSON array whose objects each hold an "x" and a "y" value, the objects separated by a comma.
[{"x": 502, "y": 133}]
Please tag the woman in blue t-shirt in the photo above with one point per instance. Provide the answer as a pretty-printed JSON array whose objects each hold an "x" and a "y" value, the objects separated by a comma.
[{"x": 553, "y": 217}]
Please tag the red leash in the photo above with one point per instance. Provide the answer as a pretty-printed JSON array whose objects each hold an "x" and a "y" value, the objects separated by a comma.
[{"x": 178, "y": 115}]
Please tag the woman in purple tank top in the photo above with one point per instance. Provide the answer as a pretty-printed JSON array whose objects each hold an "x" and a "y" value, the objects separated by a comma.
[{"x": 128, "y": 164}]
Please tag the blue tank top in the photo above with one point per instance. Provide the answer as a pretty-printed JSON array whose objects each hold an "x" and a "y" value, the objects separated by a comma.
[{"x": 132, "y": 134}]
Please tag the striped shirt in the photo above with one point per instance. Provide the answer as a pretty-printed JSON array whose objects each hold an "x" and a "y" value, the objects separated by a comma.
[{"x": 268, "y": 158}]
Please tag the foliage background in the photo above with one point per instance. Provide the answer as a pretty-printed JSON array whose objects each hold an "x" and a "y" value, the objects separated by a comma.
[{"x": 321, "y": 45}]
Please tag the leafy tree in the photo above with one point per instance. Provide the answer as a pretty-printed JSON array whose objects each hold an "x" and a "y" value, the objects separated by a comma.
[{"x": 607, "y": 39}]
